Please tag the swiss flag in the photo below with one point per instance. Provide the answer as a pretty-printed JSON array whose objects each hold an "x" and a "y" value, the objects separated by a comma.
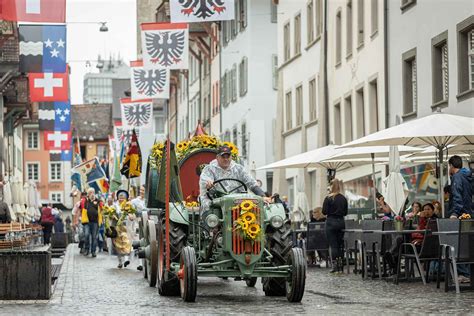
[
  {"x": 49, "y": 11},
  {"x": 57, "y": 140},
  {"x": 48, "y": 86}
]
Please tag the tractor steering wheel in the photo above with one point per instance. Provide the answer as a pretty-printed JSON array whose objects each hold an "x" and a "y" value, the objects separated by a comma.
[{"x": 214, "y": 192}]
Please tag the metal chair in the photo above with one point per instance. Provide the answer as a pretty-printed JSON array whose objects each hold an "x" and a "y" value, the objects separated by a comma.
[
  {"x": 370, "y": 245},
  {"x": 316, "y": 239},
  {"x": 428, "y": 252},
  {"x": 455, "y": 249},
  {"x": 350, "y": 243}
]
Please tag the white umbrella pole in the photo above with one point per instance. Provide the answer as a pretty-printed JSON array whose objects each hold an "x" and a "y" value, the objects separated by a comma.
[
  {"x": 372, "y": 155},
  {"x": 441, "y": 182}
]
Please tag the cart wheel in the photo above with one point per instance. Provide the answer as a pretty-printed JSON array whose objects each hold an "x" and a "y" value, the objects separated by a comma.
[
  {"x": 152, "y": 260},
  {"x": 145, "y": 269},
  {"x": 251, "y": 282},
  {"x": 295, "y": 283},
  {"x": 144, "y": 235},
  {"x": 187, "y": 274}
]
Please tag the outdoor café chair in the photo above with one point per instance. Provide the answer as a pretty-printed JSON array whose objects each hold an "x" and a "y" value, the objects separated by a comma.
[
  {"x": 316, "y": 240},
  {"x": 429, "y": 251},
  {"x": 350, "y": 243},
  {"x": 370, "y": 245},
  {"x": 456, "y": 247}
]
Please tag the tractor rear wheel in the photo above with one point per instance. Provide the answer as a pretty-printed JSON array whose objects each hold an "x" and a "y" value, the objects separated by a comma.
[
  {"x": 251, "y": 282},
  {"x": 296, "y": 282},
  {"x": 168, "y": 283},
  {"x": 280, "y": 244},
  {"x": 187, "y": 274}
]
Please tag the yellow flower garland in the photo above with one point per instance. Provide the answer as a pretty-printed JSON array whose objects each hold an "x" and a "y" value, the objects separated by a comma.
[{"x": 247, "y": 221}]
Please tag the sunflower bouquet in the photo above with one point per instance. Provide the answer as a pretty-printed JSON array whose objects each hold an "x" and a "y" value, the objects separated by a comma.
[
  {"x": 247, "y": 222},
  {"x": 156, "y": 154},
  {"x": 126, "y": 208}
]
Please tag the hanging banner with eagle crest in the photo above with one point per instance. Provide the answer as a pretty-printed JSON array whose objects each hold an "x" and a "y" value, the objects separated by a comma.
[
  {"x": 136, "y": 114},
  {"x": 201, "y": 10},
  {"x": 165, "y": 45},
  {"x": 149, "y": 83}
]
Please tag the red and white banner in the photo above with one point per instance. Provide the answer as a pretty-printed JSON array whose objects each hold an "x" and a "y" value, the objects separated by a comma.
[
  {"x": 136, "y": 114},
  {"x": 149, "y": 83},
  {"x": 202, "y": 11},
  {"x": 44, "y": 11},
  {"x": 57, "y": 140},
  {"x": 165, "y": 45},
  {"x": 48, "y": 86}
]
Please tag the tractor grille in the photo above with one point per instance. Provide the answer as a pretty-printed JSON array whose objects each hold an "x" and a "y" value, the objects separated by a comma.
[{"x": 238, "y": 242}]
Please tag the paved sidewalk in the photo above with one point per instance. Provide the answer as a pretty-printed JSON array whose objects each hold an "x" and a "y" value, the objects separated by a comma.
[{"x": 94, "y": 286}]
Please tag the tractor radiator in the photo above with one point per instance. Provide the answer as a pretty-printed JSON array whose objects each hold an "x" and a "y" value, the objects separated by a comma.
[{"x": 238, "y": 242}]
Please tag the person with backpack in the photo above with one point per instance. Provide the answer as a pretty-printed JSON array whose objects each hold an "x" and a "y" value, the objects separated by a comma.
[
  {"x": 460, "y": 200},
  {"x": 47, "y": 221},
  {"x": 91, "y": 218}
]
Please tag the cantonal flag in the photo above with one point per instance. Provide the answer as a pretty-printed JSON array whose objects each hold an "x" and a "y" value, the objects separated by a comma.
[
  {"x": 48, "y": 86},
  {"x": 57, "y": 140},
  {"x": 44, "y": 11}
]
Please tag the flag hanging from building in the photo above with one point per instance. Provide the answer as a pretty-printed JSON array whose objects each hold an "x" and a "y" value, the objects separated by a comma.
[
  {"x": 136, "y": 113},
  {"x": 48, "y": 86},
  {"x": 44, "y": 11},
  {"x": 165, "y": 45},
  {"x": 42, "y": 48},
  {"x": 54, "y": 116},
  {"x": 57, "y": 140},
  {"x": 201, "y": 11},
  {"x": 60, "y": 155},
  {"x": 149, "y": 83},
  {"x": 132, "y": 164}
]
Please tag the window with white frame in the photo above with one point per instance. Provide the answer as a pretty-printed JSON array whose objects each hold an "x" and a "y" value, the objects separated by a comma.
[
  {"x": 273, "y": 12},
  {"x": 56, "y": 197},
  {"x": 349, "y": 28},
  {"x": 465, "y": 57},
  {"x": 440, "y": 73},
  {"x": 33, "y": 171},
  {"x": 286, "y": 42},
  {"x": 297, "y": 30},
  {"x": 310, "y": 21},
  {"x": 275, "y": 72},
  {"x": 33, "y": 140},
  {"x": 337, "y": 123},
  {"x": 348, "y": 119},
  {"x": 360, "y": 23},
  {"x": 312, "y": 100},
  {"x": 55, "y": 171},
  {"x": 338, "y": 38},
  {"x": 243, "y": 145},
  {"x": 243, "y": 76},
  {"x": 243, "y": 14},
  {"x": 299, "y": 105},
  {"x": 288, "y": 111},
  {"x": 410, "y": 89},
  {"x": 374, "y": 13},
  {"x": 319, "y": 17},
  {"x": 234, "y": 82}
]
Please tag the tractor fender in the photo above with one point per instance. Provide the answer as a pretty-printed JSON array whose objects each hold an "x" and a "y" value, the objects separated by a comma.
[
  {"x": 179, "y": 214},
  {"x": 271, "y": 210}
]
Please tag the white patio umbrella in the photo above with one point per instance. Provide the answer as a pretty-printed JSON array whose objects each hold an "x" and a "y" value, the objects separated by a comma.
[
  {"x": 300, "y": 210},
  {"x": 394, "y": 187},
  {"x": 438, "y": 130},
  {"x": 370, "y": 154},
  {"x": 7, "y": 198}
]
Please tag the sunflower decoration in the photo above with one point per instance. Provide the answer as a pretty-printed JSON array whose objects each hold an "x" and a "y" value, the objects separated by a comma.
[
  {"x": 247, "y": 222},
  {"x": 109, "y": 210},
  {"x": 191, "y": 204},
  {"x": 156, "y": 154},
  {"x": 126, "y": 208}
]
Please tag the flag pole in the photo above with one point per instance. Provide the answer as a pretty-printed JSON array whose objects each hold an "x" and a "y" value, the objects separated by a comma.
[{"x": 167, "y": 190}]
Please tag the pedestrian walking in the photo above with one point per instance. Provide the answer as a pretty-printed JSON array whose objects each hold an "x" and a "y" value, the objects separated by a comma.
[
  {"x": 335, "y": 208},
  {"x": 91, "y": 217},
  {"x": 139, "y": 205},
  {"x": 460, "y": 200},
  {"x": 47, "y": 221},
  {"x": 77, "y": 224}
]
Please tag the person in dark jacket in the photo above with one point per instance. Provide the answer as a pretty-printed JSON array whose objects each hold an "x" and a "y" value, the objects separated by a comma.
[
  {"x": 335, "y": 208},
  {"x": 460, "y": 200},
  {"x": 58, "y": 223},
  {"x": 47, "y": 221}
]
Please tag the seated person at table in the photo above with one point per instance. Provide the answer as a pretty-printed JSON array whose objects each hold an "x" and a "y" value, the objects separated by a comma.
[
  {"x": 384, "y": 208},
  {"x": 413, "y": 211},
  {"x": 391, "y": 256}
]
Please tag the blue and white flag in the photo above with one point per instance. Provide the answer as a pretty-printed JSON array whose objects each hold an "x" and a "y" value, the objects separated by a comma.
[
  {"x": 43, "y": 48},
  {"x": 54, "y": 116}
]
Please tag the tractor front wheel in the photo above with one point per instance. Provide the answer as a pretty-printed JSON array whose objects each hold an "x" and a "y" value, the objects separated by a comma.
[
  {"x": 251, "y": 282},
  {"x": 187, "y": 274},
  {"x": 296, "y": 282}
]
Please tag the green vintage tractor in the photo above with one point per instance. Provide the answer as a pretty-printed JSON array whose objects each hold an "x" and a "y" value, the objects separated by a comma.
[{"x": 216, "y": 242}]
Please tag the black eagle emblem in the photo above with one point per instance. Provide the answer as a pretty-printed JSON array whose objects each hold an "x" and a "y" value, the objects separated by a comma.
[
  {"x": 149, "y": 82},
  {"x": 126, "y": 134},
  {"x": 202, "y": 8},
  {"x": 137, "y": 114},
  {"x": 165, "y": 48}
]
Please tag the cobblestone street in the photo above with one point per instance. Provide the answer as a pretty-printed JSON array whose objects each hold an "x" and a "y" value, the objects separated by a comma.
[{"x": 89, "y": 286}]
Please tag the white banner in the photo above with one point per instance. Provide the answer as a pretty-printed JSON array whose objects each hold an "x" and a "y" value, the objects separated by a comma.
[
  {"x": 149, "y": 83},
  {"x": 202, "y": 11},
  {"x": 137, "y": 113},
  {"x": 165, "y": 45}
]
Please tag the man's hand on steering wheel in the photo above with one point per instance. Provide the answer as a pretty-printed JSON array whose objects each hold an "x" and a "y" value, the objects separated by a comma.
[{"x": 217, "y": 188}]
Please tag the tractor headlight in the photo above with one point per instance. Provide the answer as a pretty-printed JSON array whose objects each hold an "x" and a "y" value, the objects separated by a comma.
[
  {"x": 276, "y": 221},
  {"x": 212, "y": 220}
]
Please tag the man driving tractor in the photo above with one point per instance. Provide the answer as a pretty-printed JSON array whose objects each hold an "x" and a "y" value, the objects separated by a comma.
[{"x": 223, "y": 167}]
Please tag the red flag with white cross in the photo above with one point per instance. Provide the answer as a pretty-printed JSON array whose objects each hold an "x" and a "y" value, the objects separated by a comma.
[
  {"x": 45, "y": 11},
  {"x": 57, "y": 140},
  {"x": 48, "y": 86}
]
